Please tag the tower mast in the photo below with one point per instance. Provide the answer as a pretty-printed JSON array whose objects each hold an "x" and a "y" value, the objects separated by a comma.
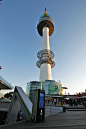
[{"x": 45, "y": 29}]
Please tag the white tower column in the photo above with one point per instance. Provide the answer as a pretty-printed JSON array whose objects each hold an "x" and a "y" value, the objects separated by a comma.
[
  {"x": 45, "y": 72},
  {"x": 45, "y": 41},
  {"x": 45, "y": 29},
  {"x": 45, "y": 68}
]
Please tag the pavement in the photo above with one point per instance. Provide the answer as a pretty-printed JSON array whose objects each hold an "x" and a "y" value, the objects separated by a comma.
[
  {"x": 61, "y": 120},
  {"x": 64, "y": 120}
]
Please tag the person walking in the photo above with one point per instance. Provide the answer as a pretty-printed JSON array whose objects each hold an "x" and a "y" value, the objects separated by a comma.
[{"x": 55, "y": 101}]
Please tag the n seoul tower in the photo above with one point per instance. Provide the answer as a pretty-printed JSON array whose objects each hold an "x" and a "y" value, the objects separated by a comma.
[{"x": 45, "y": 29}]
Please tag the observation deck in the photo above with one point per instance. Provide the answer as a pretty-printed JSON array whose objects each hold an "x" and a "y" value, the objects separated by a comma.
[{"x": 45, "y": 20}]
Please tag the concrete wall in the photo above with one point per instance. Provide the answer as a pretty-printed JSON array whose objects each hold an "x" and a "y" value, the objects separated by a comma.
[{"x": 52, "y": 109}]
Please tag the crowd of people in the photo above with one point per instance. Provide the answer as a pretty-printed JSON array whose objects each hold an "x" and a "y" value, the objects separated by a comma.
[
  {"x": 70, "y": 101},
  {"x": 74, "y": 102}
]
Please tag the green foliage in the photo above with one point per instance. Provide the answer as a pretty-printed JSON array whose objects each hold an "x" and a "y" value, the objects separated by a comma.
[
  {"x": 11, "y": 93},
  {"x": 8, "y": 96}
]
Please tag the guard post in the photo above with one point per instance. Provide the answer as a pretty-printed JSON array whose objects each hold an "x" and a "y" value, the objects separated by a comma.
[{"x": 39, "y": 106}]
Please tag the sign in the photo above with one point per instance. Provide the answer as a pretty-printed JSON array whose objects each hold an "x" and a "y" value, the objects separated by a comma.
[{"x": 41, "y": 101}]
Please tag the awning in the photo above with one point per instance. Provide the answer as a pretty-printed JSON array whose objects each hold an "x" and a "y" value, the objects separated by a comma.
[
  {"x": 75, "y": 97},
  {"x": 4, "y": 84}
]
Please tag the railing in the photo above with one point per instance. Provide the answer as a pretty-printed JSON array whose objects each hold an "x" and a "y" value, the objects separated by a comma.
[
  {"x": 46, "y": 18},
  {"x": 43, "y": 15},
  {"x": 45, "y": 51},
  {"x": 45, "y": 56},
  {"x": 39, "y": 62}
]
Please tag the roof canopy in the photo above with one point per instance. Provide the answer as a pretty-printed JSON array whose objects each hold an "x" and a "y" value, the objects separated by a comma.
[{"x": 4, "y": 84}]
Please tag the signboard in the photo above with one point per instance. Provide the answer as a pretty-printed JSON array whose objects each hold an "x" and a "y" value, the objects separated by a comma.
[
  {"x": 50, "y": 88},
  {"x": 41, "y": 101}
]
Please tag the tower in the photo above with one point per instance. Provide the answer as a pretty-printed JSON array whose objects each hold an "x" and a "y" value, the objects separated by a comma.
[{"x": 45, "y": 29}]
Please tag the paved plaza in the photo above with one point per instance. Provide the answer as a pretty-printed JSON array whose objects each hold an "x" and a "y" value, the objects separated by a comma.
[
  {"x": 71, "y": 119},
  {"x": 63, "y": 120}
]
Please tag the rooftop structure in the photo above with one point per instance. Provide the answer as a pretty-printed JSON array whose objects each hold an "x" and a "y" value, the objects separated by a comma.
[{"x": 4, "y": 84}]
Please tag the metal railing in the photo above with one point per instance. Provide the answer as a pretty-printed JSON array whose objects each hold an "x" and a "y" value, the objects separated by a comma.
[{"x": 45, "y": 51}]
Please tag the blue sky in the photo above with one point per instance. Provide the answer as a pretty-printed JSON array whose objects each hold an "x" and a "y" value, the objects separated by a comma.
[{"x": 20, "y": 41}]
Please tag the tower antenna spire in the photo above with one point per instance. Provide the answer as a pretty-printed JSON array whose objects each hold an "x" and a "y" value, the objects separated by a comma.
[{"x": 45, "y": 11}]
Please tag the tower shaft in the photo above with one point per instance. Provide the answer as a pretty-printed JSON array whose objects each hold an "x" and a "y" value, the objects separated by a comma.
[
  {"x": 45, "y": 68},
  {"x": 45, "y": 72},
  {"x": 45, "y": 41}
]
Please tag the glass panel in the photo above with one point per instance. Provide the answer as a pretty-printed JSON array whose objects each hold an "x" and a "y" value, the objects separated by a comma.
[{"x": 45, "y": 15}]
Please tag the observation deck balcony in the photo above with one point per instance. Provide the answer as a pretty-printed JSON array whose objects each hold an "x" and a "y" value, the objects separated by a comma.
[
  {"x": 45, "y": 56},
  {"x": 45, "y": 51}
]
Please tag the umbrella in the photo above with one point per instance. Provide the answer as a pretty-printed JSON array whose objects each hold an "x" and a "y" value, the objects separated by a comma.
[{"x": 75, "y": 97}]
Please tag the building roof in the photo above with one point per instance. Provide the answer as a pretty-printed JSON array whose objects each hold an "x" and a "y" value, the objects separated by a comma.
[
  {"x": 55, "y": 96},
  {"x": 4, "y": 84}
]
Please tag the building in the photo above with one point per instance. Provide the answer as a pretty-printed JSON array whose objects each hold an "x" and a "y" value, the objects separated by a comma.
[
  {"x": 50, "y": 86},
  {"x": 31, "y": 87},
  {"x": 4, "y": 84}
]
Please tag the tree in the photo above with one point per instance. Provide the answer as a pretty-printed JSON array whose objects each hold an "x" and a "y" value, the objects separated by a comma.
[
  {"x": 0, "y": 67},
  {"x": 8, "y": 96},
  {"x": 11, "y": 93}
]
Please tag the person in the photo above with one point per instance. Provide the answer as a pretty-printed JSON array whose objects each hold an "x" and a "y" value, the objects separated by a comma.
[
  {"x": 61, "y": 102},
  {"x": 76, "y": 103},
  {"x": 85, "y": 103},
  {"x": 19, "y": 116},
  {"x": 55, "y": 101},
  {"x": 52, "y": 101}
]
